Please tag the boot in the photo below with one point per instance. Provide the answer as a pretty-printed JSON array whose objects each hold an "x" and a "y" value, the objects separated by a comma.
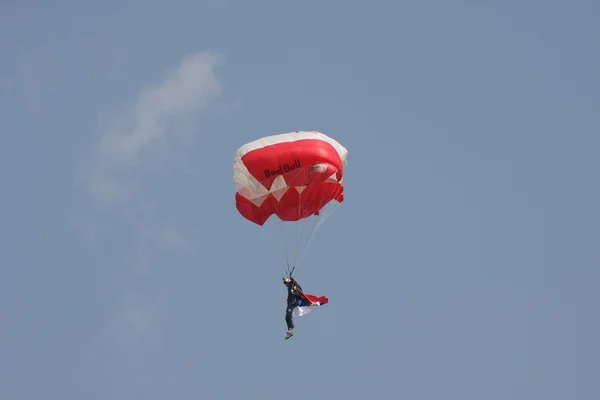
[{"x": 290, "y": 333}]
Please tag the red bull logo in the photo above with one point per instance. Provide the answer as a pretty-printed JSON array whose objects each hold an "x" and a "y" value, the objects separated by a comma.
[{"x": 283, "y": 168}]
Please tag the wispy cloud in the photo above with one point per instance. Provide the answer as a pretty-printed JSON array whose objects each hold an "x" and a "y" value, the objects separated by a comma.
[
  {"x": 185, "y": 90},
  {"x": 142, "y": 136},
  {"x": 136, "y": 320},
  {"x": 115, "y": 182},
  {"x": 168, "y": 237},
  {"x": 123, "y": 358},
  {"x": 149, "y": 125}
]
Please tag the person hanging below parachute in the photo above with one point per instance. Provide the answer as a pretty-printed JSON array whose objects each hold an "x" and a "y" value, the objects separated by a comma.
[{"x": 298, "y": 303}]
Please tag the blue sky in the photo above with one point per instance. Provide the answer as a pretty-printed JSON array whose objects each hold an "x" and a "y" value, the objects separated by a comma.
[{"x": 463, "y": 263}]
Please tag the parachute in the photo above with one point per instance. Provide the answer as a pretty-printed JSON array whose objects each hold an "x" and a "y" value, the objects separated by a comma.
[{"x": 295, "y": 176}]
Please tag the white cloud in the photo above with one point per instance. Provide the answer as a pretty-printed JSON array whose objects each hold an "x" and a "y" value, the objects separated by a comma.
[
  {"x": 150, "y": 125},
  {"x": 136, "y": 319},
  {"x": 114, "y": 181},
  {"x": 140, "y": 138},
  {"x": 168, "y": 237},
  {"x": 185, "y": 90}
]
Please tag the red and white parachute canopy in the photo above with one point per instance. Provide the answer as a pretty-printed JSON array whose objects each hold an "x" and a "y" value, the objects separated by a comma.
[{"x": 294, "y": 176}]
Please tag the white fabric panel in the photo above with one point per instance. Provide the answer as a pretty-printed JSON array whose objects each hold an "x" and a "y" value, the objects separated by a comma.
[{"x": 292, "y": 137}]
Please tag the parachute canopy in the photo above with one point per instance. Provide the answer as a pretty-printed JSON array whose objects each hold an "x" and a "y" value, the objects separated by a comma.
[{"x": 292, "y": 175}]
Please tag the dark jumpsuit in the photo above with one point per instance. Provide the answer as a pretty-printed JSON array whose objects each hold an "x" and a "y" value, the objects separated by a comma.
[{"x": 294, "y": 296}]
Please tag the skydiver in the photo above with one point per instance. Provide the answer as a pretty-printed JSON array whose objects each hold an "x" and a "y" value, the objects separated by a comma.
[{"x": 295, "y": 298}]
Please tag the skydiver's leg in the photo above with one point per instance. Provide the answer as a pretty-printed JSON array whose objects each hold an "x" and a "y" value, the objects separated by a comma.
[{"x": 289, "y": 318}]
